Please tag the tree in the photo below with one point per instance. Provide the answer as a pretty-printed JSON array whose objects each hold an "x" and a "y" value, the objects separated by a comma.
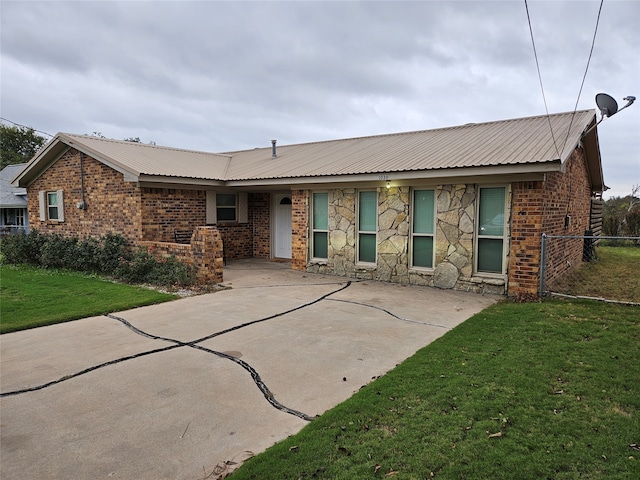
[
  {"x": 621, "y": 215},
  {"x": 18, "y": 144}
]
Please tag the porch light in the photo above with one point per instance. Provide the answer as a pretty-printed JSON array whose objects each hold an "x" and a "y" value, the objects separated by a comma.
[{"x": 388, "y": 183}]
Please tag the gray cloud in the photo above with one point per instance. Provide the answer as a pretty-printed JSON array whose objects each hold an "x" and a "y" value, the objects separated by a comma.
[{"x": 229, "y": 75}]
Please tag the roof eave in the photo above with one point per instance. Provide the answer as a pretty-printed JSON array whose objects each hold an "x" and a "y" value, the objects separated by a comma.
[
  {"x": 594, "y": 160},
  {"x": 480, "y": 171}
]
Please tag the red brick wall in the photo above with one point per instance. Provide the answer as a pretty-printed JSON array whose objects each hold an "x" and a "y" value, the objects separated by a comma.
[
  {"x": 120, "y": 214},
  {"x": 299, "y": 212},
  {"x": 566, "y": 193},
  {"x": 165, "y": 210},
  {"x": 541, "y": 207},
  {"x": 526, "y": 231},
  {"x": 260, "y": 219},
  {"x": 237, "y": 240}
]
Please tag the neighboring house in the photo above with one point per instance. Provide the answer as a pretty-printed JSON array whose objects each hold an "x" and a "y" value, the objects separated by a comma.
[
  {"x": 461, "y": 207},
  {"x": 13, "y": 202}
]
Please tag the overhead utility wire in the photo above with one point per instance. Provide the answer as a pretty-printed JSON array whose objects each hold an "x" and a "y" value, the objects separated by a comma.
[
  {"x": 544, "y": 98},
  {"x": 24, "y": 126},
  {"x": 593, "y": 42}
]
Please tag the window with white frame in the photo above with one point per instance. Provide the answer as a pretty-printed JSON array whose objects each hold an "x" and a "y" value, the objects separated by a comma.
[
  {"x": 51, "y": 205},
  {"x": 423, "y": 228},
  {"x": 367, "y": 226},
  {"x": 320, "y": 225},
  {"x": 226, "y": 207},
  {"x": 490, "y": 230}
]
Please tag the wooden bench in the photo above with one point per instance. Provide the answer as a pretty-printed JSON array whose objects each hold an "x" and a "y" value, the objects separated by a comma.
[{"x": 182, "y": 236}]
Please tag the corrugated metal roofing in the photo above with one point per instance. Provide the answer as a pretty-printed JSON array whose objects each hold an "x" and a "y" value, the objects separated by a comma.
[
  {"x": 502, "y": 143},
  {"x": 509, "y": 142},
  {"x": 142, "y": 159}
]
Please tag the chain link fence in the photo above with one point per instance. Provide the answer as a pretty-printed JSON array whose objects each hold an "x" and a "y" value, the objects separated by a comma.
[{"x": 595, "y": 267}]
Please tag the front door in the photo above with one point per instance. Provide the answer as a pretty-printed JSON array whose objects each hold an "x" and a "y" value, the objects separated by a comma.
[{"x": 283, "y": 226}]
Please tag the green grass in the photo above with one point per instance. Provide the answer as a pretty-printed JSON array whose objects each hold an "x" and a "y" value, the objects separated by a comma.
[
  {"x": 614, "y": 276},
  {"x": 529, "y": 391},
  {"x": 33, "y": 297}
]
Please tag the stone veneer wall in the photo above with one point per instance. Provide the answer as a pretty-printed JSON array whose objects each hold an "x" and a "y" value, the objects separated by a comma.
[{"x": 455, "y": 213}]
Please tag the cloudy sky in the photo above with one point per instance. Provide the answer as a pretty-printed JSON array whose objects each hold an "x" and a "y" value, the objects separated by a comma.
[{"x": 219, "y": 76}]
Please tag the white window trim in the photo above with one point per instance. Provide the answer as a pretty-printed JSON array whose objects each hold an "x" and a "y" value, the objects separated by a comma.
[
  {"x": 314, "y": 230},
  {"x": 43, "y": 200},
  {"x": 504, "y": 237},
  {"x": 366, "y": 232},
  {"x": 432, "y": 235}
]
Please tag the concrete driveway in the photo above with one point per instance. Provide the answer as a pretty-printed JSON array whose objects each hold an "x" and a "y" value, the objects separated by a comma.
[{"x": 171, "y": 391}]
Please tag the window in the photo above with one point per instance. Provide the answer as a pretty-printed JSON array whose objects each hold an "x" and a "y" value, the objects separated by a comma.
[
  {"x": 320, "y": 227},
  {"x": 51, "y": 205},
  {"x": 423, "y": 227},
  {"x": 490, "y": 230},
  {"x": 226, "y": 207},
  {"x": 13, "y": 217},
  {"x": 367, "y": 225}
]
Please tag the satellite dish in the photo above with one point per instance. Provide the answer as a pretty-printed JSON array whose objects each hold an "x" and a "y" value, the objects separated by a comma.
[{"x": 607, "y": 104}]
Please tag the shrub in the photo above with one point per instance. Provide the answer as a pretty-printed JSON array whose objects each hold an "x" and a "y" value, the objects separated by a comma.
[
  {"x": 145, "y": 268},
  {"x": 22, "y": 248},
  {"x": 110, "y": 255}
]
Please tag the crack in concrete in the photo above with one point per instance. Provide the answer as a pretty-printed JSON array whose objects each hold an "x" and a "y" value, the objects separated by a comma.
[
  {"x": 389, "y": 313},
  {"x": 193, "y": 344}
]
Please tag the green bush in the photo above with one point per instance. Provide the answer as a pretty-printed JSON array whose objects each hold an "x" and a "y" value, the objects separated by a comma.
[
  {"x": 143, "y": 267},
  {"x": 110, "y": 255},
  {"x": 22, "y": 248}
]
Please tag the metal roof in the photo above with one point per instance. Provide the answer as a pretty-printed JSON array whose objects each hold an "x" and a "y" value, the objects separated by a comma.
[
  {"x": 142, "y": 159},
  {"x": 517, "y": 142},
  {"x": 509, "y": 142}
]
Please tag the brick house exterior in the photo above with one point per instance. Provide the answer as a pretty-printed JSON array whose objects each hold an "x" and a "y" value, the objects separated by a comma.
[{"x": 469, "y": 219}]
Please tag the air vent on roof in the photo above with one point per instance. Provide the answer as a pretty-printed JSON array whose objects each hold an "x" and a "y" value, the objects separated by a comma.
[{"x": 273, "y": 149}]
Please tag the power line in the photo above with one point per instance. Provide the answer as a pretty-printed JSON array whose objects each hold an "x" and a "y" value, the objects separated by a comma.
[
  {"x": 24, "y": 126},
  {"x": 584, "y": 77},
  {"x": 544, "y": 98}
]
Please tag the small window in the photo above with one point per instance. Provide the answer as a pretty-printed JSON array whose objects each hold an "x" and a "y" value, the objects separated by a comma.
[
  {"x": 491, "y": 230},
  {"x": 52, "y": 205},
  {"x": 367, "y": 226},
  {"x": 226, "y": 207},
  {"x": 320, "y": 230},
  {"x": 423, "y": 228}
]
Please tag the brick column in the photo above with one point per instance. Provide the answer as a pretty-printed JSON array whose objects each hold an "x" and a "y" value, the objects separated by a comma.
[
  {"x": 206, "y": 251},
  {"x": 526, "y": 237},
  {"x": 299, "y": 223}
]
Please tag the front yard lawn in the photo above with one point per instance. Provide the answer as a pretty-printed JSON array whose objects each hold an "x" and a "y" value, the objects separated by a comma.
[
  {"x": 529, "y": 391},
  {"x": 32, "y": 297}
]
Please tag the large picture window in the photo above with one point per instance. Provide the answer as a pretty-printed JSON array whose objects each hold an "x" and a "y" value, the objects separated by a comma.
[
  {"x": 423, "y": 228},
  {"x": 367, "y": 226},
  {"x": 491, "y": 230},
  {"x": 320, "y": 230},
  {"x": 226, "y": 207}
]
